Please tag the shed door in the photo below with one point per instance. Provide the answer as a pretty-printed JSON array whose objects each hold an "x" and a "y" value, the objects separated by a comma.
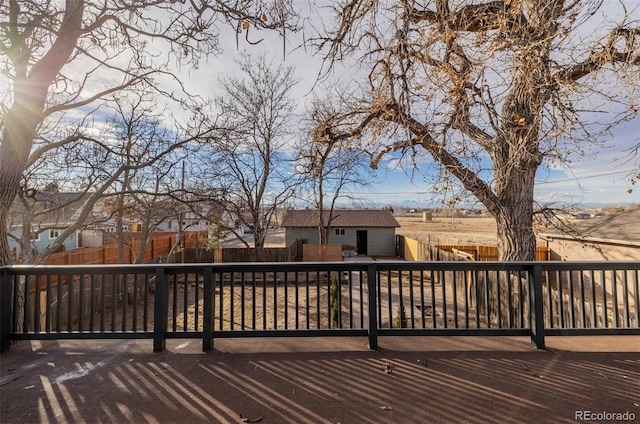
[{"x": 361, "y": 242}]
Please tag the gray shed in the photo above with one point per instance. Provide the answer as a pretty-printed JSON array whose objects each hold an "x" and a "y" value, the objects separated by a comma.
[{"x": 373, "y": 232}]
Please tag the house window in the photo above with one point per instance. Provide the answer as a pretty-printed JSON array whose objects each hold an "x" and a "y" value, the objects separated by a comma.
[
  {"x": 35, "y": 236},
  {"x": 53, "y": 234},
  {"x": 339, "y": 231}
]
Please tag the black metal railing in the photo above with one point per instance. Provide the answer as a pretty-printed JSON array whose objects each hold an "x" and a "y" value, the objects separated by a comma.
[{"x": 371, "y": 299}]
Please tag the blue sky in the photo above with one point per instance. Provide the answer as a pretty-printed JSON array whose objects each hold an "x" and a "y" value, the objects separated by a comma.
[
  {"x": 592, "y": 182},
  {"x": 599, "y": 178},
  {"x": 604, "y": 185}
]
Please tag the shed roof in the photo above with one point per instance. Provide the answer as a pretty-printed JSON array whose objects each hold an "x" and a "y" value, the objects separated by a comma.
[{"x": 341, "y": 218}]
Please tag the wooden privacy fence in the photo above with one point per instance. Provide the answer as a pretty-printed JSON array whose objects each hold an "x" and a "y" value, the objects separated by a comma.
[
  {"x": 158, "y": 247},
  {"x": 415, "y": 250},
  {"x": 489, "y": 284},
  {"x": 297, "y": 251},
  {"x": 232, "y": 254},
  {"x": 490, "y": 253},
  {"x": 321, "y": 252}
]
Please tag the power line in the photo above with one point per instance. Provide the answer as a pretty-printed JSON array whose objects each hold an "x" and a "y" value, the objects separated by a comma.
[
  {"x": 423, "y": 192},
  {"x": 603, "y": 174}
]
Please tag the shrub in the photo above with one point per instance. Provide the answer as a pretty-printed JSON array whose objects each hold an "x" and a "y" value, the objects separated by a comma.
[
  {"x": 401, "y": 318},
  {"x": 334, "y": 303}
]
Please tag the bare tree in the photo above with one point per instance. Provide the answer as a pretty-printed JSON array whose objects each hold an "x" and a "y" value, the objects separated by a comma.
[
  {"x": 137, "y": 134},
  {"x": 489, "y": 89},
  {"x": 258, "y": 107},
  {"x": 56, "y": 57},
  {"x": 330, "y": 166}
]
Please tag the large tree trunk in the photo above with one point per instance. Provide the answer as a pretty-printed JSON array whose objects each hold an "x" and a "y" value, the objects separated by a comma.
[
  {"x": 514, "y": 218},
  {"x": 14, "y": 152},
  {"x": 30, "y": 88},
  {"x": 515, "y": 170},
  {"x": 517, "y": 157},
  {"x": 516, "y": 239}
]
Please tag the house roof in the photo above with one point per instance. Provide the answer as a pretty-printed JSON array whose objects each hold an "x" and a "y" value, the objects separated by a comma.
[
  {"x": 341, "y": 218},
  {"x": 50, "y": 208},
  {"x": 620, "y": 226}
]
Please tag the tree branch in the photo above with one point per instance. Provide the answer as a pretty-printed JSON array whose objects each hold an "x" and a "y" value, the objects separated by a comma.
[
  {"x": 451, "y": 163},
  {"x": 473, "y": 18},
  {"x": 608, "y": 54}
]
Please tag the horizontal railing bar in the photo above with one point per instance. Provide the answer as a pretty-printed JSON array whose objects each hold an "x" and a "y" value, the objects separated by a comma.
[
  {"x": 610, "y": 331},
  {"x": 350, "y": 332},
  {"x": 184, "y": 335},
  {"x": 82, "y": 336},
  {"x": 454, "y": 332},
  {"x": 324, "y": 266}
]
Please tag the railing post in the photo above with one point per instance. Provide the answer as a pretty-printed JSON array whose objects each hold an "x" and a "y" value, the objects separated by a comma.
[
  {"x": 207, "y": 313},
  {"x": 372, "y": 303},
  {"x": 5, "y": 310},
  {"x": 536, "y": 304},
  {"x": 160, "y": 310}
]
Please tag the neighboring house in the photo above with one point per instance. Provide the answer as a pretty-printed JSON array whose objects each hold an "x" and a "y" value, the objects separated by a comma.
[
  {"x": 50, "y": 213},
  {"x": 372, "y": 232},
  {"x": 208, "y": 213},
  {"x": 189, "y": 222},
  {"x": 610, "y": 238},
  {"x": 163, "y": 217},
  {"x": 105, "y": 233}
]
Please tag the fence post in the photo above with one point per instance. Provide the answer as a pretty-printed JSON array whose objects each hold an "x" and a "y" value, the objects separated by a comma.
[
  {"x": 372, "y": 303},
  {"x": 536, "y": 304},
  {"x": 160, "y": 310},
  {"x": 5, "y": 310},
  {"x": 207, "y": 313}
]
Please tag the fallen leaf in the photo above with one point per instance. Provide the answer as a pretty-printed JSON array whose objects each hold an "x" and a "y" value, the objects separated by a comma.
[{"x": 251, "y": 420}]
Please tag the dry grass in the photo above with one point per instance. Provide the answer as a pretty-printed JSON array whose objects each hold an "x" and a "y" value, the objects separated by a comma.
[
  {"x": 449, "y": 230},
  {"x": 245, "y": 309}
]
